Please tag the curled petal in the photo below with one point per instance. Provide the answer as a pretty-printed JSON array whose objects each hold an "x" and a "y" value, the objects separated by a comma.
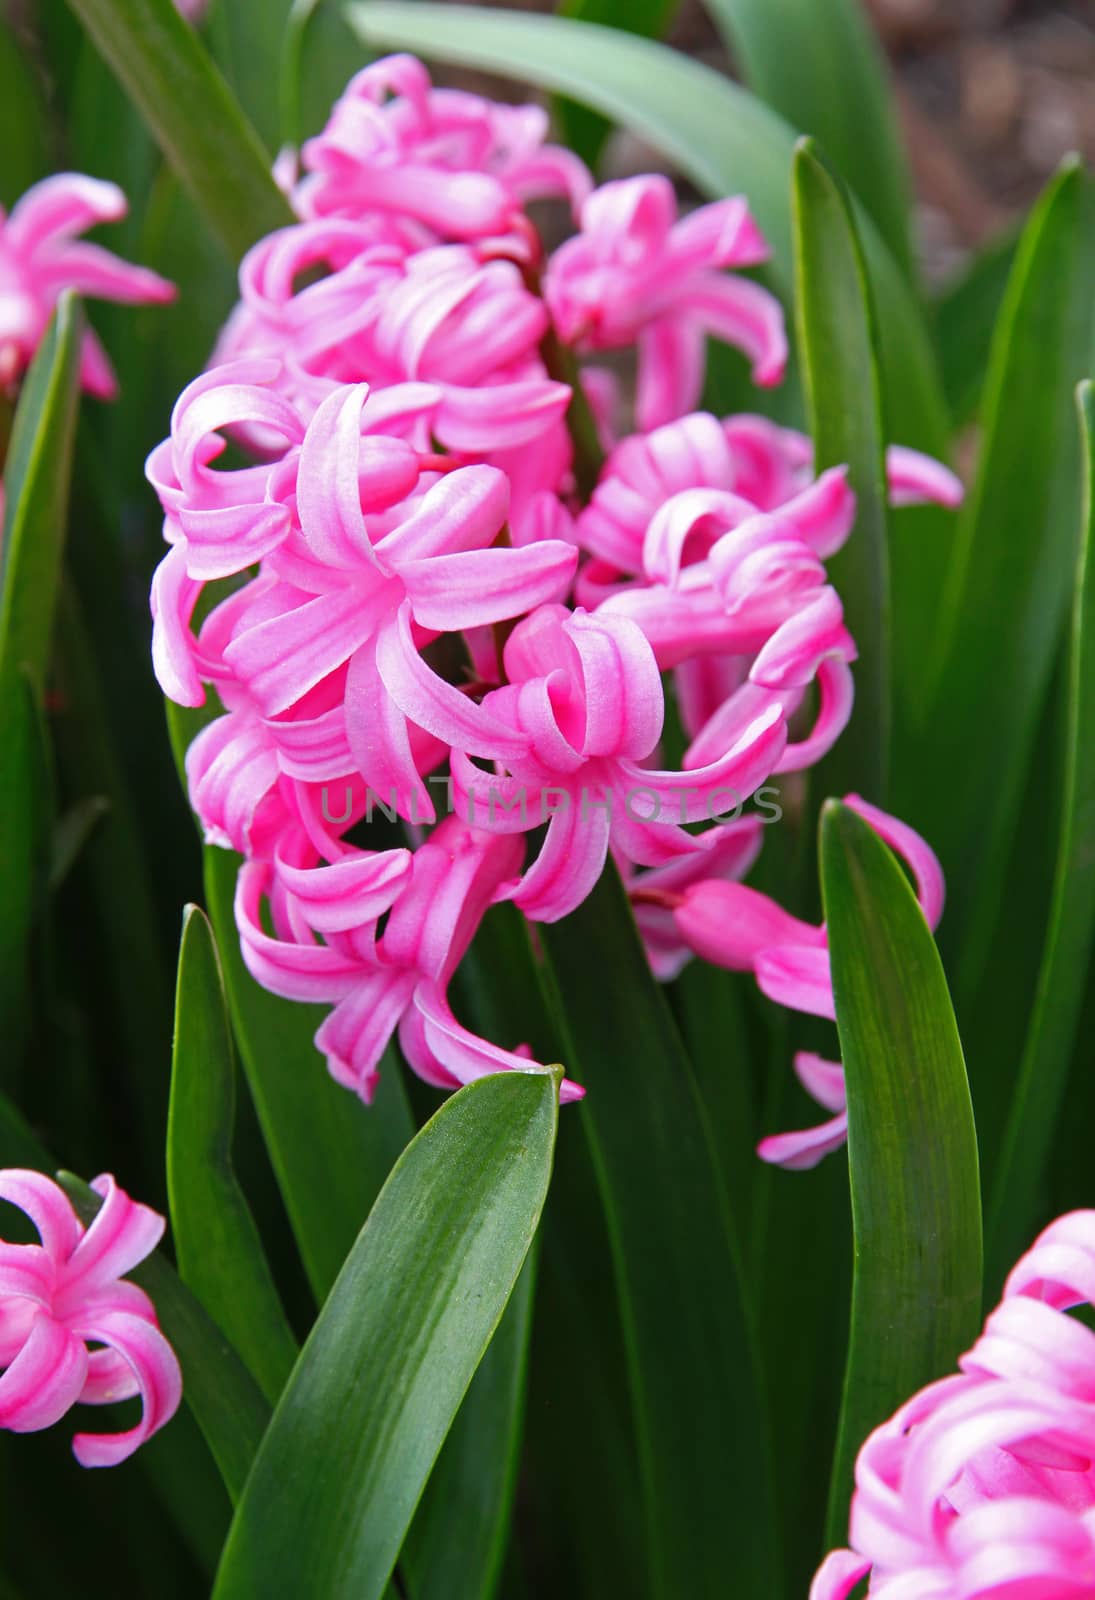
[
  {"x": 155, "y": 1371},
  {"x": 464, "y": 1054},
  {"x": 915, "y": 478},
  {"x": 799, "y": 1152},
  {"x": 44, "y": 1379},
  {"x": 930, "y": 885},
  {"x": 47, "y": 1206},
  {"x": 122, "y": 1233},
  {"x": 356, "y": 1034},
  {"x": 798, "y": 978}
]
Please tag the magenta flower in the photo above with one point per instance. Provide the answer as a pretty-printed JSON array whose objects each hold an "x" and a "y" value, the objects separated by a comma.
[
  {"x": 637, "y": 275},
  {"x": 433, "y": 903},
  {"x": 982, "y": 1486},
  {"x": 584, "y": 699},
  {"x": 734, "y": 926},
  {"x": 40, "y": 256},
  {"x": 725, "y": 851},
  {"x": 71, "y": 1329},
  {"x": 451, "y": 162}
]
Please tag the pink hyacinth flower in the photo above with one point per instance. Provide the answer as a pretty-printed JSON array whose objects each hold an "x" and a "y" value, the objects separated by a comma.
[
  {"x": 584, "y": 700},
  {"x": 635, "y": 274},
  {"x": 982, "y": 1486},
  {"x": 433, "y": 902},
  {"x": 65, "y": 1295},
  {"x": 736, "y": 927},
  {"x": 458, "y": 165},
  {"x": 763, "y": 465},
  {"x": 40, "y": 256},
  {"x": 726, "y": 851}
]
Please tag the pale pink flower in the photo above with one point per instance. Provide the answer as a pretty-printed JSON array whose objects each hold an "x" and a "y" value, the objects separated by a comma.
[
  {"x": 736, "y": 927},
  {"x": 433, "y": 903},
  {"x": 982, "y": 1486},
  {"x": 40, "y": 256},
  {"x": 71, "y": 1329},
  {"x": 585, "y": 705},
  {"x": 636, "y": 275},
  {"x": 458, "y": 165}
]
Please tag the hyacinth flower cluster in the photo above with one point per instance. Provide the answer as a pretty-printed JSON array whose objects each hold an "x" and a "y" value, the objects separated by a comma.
[
  {"x": 73, "y": 1329},
  {"x": 981, "y": 1487},
  {"x": 458, "y": 564}
]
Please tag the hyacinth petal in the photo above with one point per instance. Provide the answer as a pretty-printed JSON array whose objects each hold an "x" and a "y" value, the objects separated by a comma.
[
  {"x": 836, "y": 698},
  {"x": 45, "y": 1379},
  {"x": 915, "y": 479},
  {"x": 295, "y": 971},
  {"x": 824, "y": 512},
  {"x": 59, "y": 207},
  {"x": 730, "y": 924},
  {"x": 356, "y": 1034},
  {"x": 1059, "y": 1267},
  {"x": 434, "y": 704},
  {"x": 821, "y": 1078},
  {"x": 739, "y": 772},
  {"x": 798, "y": 979},
  {"x": 96, "y": 373},
  {"x": 337, "y": 898},
  {"x": 474, "y": 587},
  {"x": 747, "y": 316},
  {"x": 571, "y": 860},
  {"x": 689, "y": 512},
  {"x": 930, "y": 884},
  {"x": 839, "y": 1575},
  {"x": 379, "y": 739},
  {"x": 26, "y": 1271},
  {"x": 799, "y": 1152},
  {"x": 174, "y": 596},
  {"x": 281, "y": 659},
  {"x": 624, "y": 702},
  {"x": 47, "y": 1206},
  {"x": 464, "y": 510},
  {"x": 723, "y": 234},
  {"x": 672, "y": 353},
  {"x": 792, "y": 654},
  {"x": 122, "y": 1233},
  {"x": 328, "y": 494},
  {"x": 463, "y": 1053},
  {"x": 157, "y": 1376},
  {"x": 91, "y": 270},
  {"x": 500, "y": 416}
]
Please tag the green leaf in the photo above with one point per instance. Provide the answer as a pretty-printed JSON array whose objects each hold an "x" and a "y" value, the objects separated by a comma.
[
  {"x": 912, "y": 1147},
  {"x": 379, "y": 1381},
  {"x": 837, "y": 341},
  {"x": 723, "y": 139},
  {"x": 966, "y": 313},
  {"x": 696, "y": 1392},
  {"x": 330, "y": 1153},
  {"x": 222, "y": 1394},
  {"x": 584, "y": 130},
  {"x": 457, "y": 1541},
  {"x": 1036, "y": 1103},
  {"x": 166, "y": 70},
  {"x": 217, "y": 1245},
  {"x": 245, "y": 37},
  {"x": 36, "y": 487},
  {"x": 818, "y": 63},
  {"x": 1004, "y": 604}
]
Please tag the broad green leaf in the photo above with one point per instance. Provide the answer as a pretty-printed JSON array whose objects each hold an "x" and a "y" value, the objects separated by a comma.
[
  {"x": 1005, "y": 599},
  {"x": 36, "y": 487},
  {"x": 700, "y": 1419},
  {"x": 912, "y": 1147},
  {"x": 723, "y": 139},
  {"x": 245, "y": 38},
  {"x": 966, "y": 313},
  {"x": 166, "y": 70},
  {"x": 24, "y": 131},
  {"x": 838, "y": 344},
  {"x": 1036, "y": 1103},
  {"x": 222, "y": 1394},
  {"x": 818, "y": 63},
  {"x": 330, "y": 1153},
  {"x": 217, "y": 1245},
  {"x": 457, "y": 1541},
  {"x": 395, "y": 1347},
  {"x": 584, "y": 130}
]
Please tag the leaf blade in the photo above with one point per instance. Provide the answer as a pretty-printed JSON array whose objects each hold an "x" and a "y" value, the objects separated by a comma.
[
  {"x": 344, "y": 1462},
  {"x": 217, "y": 1245},
  {"x": 912, "y": 1146}
]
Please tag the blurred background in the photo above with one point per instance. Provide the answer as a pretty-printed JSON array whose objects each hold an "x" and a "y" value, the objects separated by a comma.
[{"x": 991, "y": 94}]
